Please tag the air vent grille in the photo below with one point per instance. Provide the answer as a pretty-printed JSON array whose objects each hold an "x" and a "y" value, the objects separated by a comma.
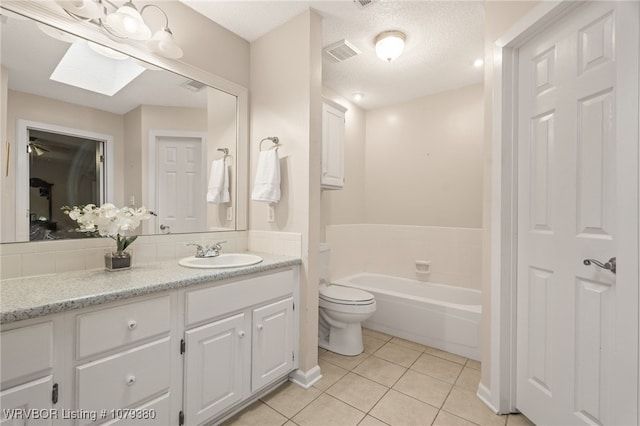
[
  {"x": 192, "y": 85},
  {"x": 365, "y": 3},
  {"x": 341, "y": 51}
]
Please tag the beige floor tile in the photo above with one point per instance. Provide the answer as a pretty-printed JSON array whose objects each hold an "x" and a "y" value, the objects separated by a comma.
[
  {"x": 472, "y": 363},
  {"x": 464, "y": 403},
  {"x": 290, "y": 398},
  {"x": 357, "y": 391},
  {"x": 372, "y": 344},
  {"x": 328, "y": 411},
  {"x": 423, "y": 387},
  {"x": 376, "y": 334},
  {"x": 257, "y": 414},
  {"x": 321, "y": 351},
  {"x": 446, "y": 355},
  {"x": 439, "y": 368},
  {"x": 371, "y": 421},
  {"x": 408, "y": 344},
  {"x": 448, "y": 419},
  {"x": 290, "y": 423},
  {"x": 346, "y": 362},
  {"x": 398, "y": 354},
  {"x": 518, "y": 420},
  {"x": 396, "y": 408},
  {"x": 379, "y": 370},
  {"x": 330, "y": 374},
  {"x": 469, "y": 379}
]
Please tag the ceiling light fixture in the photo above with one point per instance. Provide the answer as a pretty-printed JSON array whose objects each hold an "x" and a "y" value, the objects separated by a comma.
[
  {"x": 358, "y": 96},
  {"x": 125, "y": 23},
  {"x": 389, "y": 45}
]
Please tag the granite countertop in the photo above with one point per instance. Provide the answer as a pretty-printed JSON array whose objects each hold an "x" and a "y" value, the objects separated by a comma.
[{"x": 31, "y": 297}]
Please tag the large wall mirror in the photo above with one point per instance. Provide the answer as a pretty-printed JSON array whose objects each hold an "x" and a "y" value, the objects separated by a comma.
[{"x": 78, "y": 136}]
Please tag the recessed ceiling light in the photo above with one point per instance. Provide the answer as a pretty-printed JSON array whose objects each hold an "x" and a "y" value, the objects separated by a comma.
[
  {"x": 478, "y": 63},
  {"x": 357, "y": 96}
]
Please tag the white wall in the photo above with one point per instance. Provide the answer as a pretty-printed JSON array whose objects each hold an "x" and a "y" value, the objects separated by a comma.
[
  {"x": 286, "y": 74},
  {"x": 424, "y": 161}
]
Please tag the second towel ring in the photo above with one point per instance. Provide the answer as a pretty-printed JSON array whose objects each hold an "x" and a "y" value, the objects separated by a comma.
[{"x": 274, "y": 139}]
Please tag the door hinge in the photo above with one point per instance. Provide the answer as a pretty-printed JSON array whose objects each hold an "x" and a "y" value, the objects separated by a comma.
[
  {"x": 294, "y": 306},
  {"x": 180, "y": 418},
  {"x": 102, "y": 158},
  {"x": 293, "y": 356},
  {"x": 54, "y": 394},
  {"x": 183, "y": 346}
]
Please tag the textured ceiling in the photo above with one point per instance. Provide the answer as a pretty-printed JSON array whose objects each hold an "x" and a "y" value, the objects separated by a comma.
[{"x": 443, "y": 40}]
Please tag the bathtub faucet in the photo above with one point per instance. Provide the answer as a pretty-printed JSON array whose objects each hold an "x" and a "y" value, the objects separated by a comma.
[{"x": 208, "y": 251}]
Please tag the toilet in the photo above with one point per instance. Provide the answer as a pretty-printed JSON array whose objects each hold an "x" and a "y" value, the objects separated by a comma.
[{"x": 341, "y": 311}]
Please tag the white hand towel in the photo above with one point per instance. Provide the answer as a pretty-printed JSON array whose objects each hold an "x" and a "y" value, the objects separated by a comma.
[
  {"x": 267, "y": 183},
  {"x": 218, "y": 191}
]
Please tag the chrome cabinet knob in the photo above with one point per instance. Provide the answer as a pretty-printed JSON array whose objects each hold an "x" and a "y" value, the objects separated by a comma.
[
  {"x": 132, "y": 324},
  {"x": 131, "y": 380}
]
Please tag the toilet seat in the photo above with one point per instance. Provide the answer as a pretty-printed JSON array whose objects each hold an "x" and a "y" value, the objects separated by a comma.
[{"x": 341, "y": 295}]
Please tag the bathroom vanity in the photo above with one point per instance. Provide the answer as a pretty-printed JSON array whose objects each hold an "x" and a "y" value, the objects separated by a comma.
[{"x": 161, "y": 344}]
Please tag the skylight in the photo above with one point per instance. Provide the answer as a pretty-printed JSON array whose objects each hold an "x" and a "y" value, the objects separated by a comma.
[{"x": 84, "y": 68}]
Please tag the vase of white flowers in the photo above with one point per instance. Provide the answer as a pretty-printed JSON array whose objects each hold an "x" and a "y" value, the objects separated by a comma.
[{"x": 113, "y": 222}]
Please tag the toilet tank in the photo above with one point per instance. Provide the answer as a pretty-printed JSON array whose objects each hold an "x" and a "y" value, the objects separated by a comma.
[{"x": 323, "y": 264}]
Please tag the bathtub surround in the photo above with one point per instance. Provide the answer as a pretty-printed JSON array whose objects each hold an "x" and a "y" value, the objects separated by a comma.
[{"x": 454, "y": 254}]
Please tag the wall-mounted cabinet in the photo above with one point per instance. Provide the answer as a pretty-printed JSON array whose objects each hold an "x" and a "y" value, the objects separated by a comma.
[{"x": 333, "y": 134}]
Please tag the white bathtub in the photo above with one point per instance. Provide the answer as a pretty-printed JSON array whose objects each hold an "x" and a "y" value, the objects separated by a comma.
[{"x": 437, "y": 315}]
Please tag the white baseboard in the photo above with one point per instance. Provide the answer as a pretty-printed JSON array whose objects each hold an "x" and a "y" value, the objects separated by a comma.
[
  {"x": 485, "y": 396},
  {"x": 306, "y": 379}
]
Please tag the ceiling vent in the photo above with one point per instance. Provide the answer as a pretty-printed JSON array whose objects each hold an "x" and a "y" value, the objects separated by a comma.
[
  {"x": 341, "y": 51},
  {"x": 192, "y": 85},
  {"x": 365, "y": 3}
]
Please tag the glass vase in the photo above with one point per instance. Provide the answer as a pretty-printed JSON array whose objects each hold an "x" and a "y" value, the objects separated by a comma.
[{"x": 114, "y": 261}]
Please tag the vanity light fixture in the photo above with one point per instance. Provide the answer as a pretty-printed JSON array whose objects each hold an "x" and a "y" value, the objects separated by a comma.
[
  {"x": 389, "y": 45},
  {"x": 125, "y": 23}
]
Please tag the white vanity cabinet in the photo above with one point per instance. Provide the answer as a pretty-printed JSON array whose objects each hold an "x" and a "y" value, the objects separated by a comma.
[
  {"x": 333, "y": 134},
  {"x": 186, "y": 356},
  {"x": 240, "y": 337},
  {"x": 28, "y": 385}
]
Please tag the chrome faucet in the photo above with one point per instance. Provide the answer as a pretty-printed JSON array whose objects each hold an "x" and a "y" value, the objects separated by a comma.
[{"x": 208, "y": 251}]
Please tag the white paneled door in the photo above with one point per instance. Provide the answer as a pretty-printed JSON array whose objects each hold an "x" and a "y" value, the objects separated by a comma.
[
  {"x": 180, "y": 185},
  {"x": 577, "y": 324}
]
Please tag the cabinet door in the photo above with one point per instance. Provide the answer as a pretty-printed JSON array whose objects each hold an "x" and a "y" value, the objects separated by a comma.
[
  {"x": 332, "y": 147},
  {"x": 273, "y": 353},
  {"x": 214, "y": 363},
  {"x": 28, "y": 404}
]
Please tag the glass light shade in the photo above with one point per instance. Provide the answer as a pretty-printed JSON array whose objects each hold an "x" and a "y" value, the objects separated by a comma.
[
  {"x": 83, "y": 8},
  {"x": 127, "y": 22},
  {"x": 389, "y": 45},
  {"x": 164, "y": 44},
  {"x": 107, "y": 51}
]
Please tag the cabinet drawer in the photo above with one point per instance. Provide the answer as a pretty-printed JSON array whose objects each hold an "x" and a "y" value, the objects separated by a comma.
[
  {"x": 26, "y": 351},
  {"x": 124, "y": 379},
  {"x": 225, "y": 298},
  {"x": 113, "y": 327},
  {"x": 155, "y": 412}
]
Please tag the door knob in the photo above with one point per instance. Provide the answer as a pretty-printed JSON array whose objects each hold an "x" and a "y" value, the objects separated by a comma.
[{"x": 610, "y": 265}]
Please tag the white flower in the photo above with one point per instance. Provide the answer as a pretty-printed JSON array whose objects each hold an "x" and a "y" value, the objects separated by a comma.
[{"x": 108, "y": 220}]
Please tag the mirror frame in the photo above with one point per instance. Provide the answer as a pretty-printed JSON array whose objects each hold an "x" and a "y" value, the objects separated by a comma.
[{"x": 41, "y": 12}]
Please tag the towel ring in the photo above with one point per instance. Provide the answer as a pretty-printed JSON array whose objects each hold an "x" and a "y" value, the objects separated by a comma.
[
  {"x": 274, "y": 139},
  {"x": 226, "y": 153}
]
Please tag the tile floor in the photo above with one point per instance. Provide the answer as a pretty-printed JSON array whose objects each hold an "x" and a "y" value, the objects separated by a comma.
[{"x": 394, "y": 382}]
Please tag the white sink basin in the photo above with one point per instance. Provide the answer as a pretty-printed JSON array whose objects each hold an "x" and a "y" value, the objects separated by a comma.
[{"x": 225, "y": 260}]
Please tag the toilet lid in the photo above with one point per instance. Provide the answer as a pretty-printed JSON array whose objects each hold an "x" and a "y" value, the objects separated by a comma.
[{"x": 345, "y": 295}]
